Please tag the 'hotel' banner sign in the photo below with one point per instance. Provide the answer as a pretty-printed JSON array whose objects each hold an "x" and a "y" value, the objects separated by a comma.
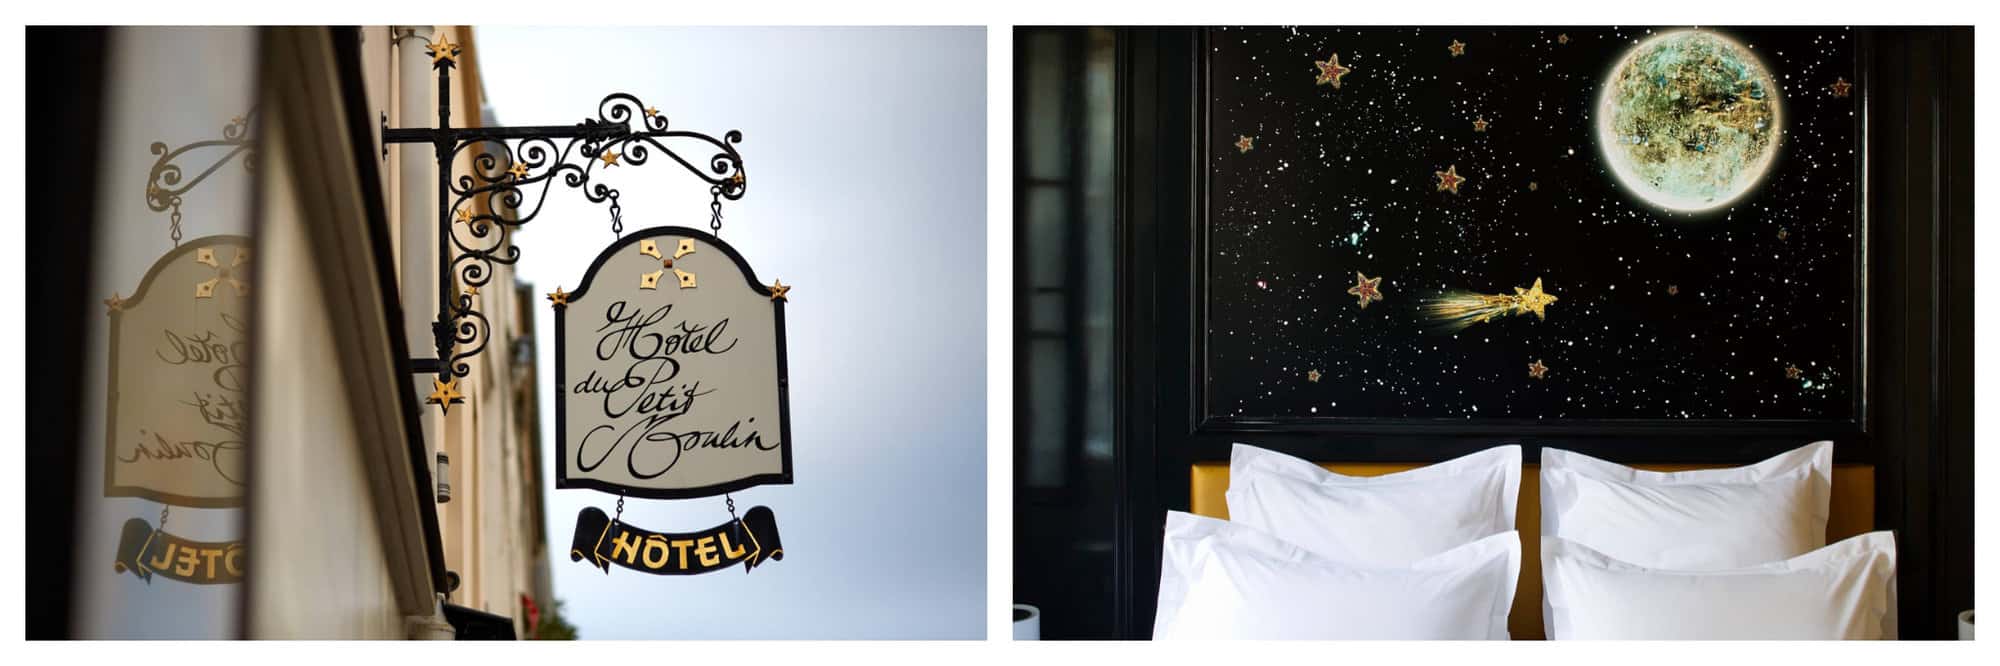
[
  {"x": 670, "y": 371},
  {"x": 750, "y": 541}
]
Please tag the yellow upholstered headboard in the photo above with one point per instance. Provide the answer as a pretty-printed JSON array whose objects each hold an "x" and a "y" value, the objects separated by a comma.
[{"x": 1851, "y": 512}]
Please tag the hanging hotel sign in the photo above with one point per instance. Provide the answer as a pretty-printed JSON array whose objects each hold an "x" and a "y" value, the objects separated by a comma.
[
  {"x": 145, "y": 551},
  {"x": 750, "y": 540},
  {"x": 670, "y": 371},
  {"x": 175, "y": 402}
]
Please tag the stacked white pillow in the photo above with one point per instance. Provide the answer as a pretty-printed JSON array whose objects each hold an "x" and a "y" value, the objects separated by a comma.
[
  {"x": 1221, "y": 579},
  {"x": 1429, "y": 553},
  {"x": 1725, "y": 553}
]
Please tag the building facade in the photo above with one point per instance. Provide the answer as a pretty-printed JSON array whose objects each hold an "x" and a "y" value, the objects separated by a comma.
[{"x": 257, "y": 451}]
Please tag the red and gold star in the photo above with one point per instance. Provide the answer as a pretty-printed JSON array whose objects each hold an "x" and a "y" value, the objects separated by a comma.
[
  {"x": 1562, "y": 38},
  {"x": 113, "y": 304},
  {"x": 1792, "y": 371},
  {"x": 559, "y": 297},
  {"x": 1457, "y": 48},
  {"x": 1245, "y": 143},
  {"x": 1479, "y": 125},
  {"x": 779, "y": 290},
  {"x": 1365, "y": 288},
  {"x": 1783, "y": 234},
  {"x": 442, "y": 50},
  {"x": 1841, "y": 86},
  {"x": 1537, "y": 370},
  {"x": 1449, "y": 179},
  {"x": 1330, "y": 71},
  {"x": 1313, "y": 376},
  {"x": 1673, "y": 290}
]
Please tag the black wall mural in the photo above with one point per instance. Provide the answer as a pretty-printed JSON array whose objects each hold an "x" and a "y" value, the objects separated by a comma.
[{"x": 1522, "y": 223}]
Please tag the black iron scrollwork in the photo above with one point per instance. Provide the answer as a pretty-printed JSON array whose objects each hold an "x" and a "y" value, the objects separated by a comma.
[
  {"x": 168, "y": 181},
  {"x": 511, "y": 171}
]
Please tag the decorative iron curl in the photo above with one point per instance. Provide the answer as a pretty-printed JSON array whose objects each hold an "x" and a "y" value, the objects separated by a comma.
[
  {"x": 164, "y": 185},
  {"x": 510, "y": 180}
]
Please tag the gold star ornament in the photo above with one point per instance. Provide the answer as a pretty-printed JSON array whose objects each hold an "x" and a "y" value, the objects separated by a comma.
[
  {"x": 652, "y": 111},
  {"x": 610, "y": 159},
  {"x": 559, "y": 297},
  {"x": 113, "y": 304},
  {"x": 1365, "y": 288},
  {"x": 1245, "y": 143},
  {"x": 445, "y": 394},
  {"x": 1457, "y": 48},
  {"x": 1537, "y": 370},
  {"x": 1330, "y": 71},
  {"x": 1562, "y": 38},
  {"x": 1533, "y": 299},
  {"x": 1792, "y": 371},
  {"x": 442, "y": 51},
  {"x": 1313, "y": 376},
  {"x": 1841, "y": 87},
  {"x": 779, "y": 290},
  {"x": 1449, "y": 180},
  {"x": 519, "y": 170},
  {"x": 1479, "y": 125}
]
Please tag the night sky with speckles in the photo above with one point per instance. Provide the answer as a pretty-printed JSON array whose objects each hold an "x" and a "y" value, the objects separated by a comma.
[{"x": 1660, "y": 315}]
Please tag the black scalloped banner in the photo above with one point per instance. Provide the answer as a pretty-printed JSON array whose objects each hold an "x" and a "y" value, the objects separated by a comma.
[
  {"x": 145, "y": 551},
  {"x": 750, "y": 540}
]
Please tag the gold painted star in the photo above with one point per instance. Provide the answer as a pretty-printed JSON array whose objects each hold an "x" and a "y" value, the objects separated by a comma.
[
  {"x": 1366, "y": 289},
  {"x": 610, "y": 159},
  {"x": 1533, "y": 299},
  {"x": 445, "y": 394},
  {"x": 652, "y": 111},
  {"x": 559, "y": 297},
  {"x": 113, "y": 304},
  {"x": 1562, "y": 38},
  {"x": 471, "y": 290},
  {"x": 1783, "y": 234},
  {"x": 1245, "y": 143},
  {"x": 442, "y": 50},
  {"x": 1457, "y": 48},
  {"x": 1313, "y": 376},
  {"x": 1330, "y": 71},
  {"x": 738, "y": 178},
  {"x": 1792, "y": 371},
  {"x": 519, "y": 170},
  {"x": 779, "y": 290},
  {"x": 1537, "y": 370},
  {"x": 1841, "y": 86},
  {"x": 1532, "y": 186},
  {"x": 1449, "y": 179},
  {"x": 1479, "y": 125},
  {"x": 1673, "y": 290},
  {"x": 462, "y": 215}
]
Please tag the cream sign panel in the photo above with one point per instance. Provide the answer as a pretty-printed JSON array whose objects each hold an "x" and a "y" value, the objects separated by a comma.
[
  {"x": 176, "y": 404},
  {"x": 671, "y": 371}
]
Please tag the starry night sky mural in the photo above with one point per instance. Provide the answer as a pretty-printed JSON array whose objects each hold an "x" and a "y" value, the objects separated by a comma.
[{"x": 1523, "y": 223}]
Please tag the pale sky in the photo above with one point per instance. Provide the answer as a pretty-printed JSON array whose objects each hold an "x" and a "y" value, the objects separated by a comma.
[{"x": 866, "y": 152}]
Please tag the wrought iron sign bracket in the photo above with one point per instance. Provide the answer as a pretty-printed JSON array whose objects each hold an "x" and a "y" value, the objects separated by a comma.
[{"x": 512, "y": 169}]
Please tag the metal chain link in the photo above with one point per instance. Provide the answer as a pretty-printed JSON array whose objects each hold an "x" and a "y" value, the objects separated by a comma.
[
  {"x": 732, "y": 505},
  {"x": 163, "y": 517},
  {"x": 715, "y": 211},
  {"x": 174, "y": 231},
  {"x": 617, "y": 217},
  {"x": 621, "y": 508}
]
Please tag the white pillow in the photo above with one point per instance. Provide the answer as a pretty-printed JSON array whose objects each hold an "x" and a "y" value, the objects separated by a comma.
[
  {"x": 1234, "y": 582},
  {"x": 1843, "y": 591},
  {"x": 1392, "y": 519},
  {"x": 1701, "y": 519}
]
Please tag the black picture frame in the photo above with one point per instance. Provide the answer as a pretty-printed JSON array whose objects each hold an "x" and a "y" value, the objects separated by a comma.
[{"x": 784, "y": 377}]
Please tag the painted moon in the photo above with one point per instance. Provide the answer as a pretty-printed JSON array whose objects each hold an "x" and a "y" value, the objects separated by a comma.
[{"x": 1688, "y": 120}]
